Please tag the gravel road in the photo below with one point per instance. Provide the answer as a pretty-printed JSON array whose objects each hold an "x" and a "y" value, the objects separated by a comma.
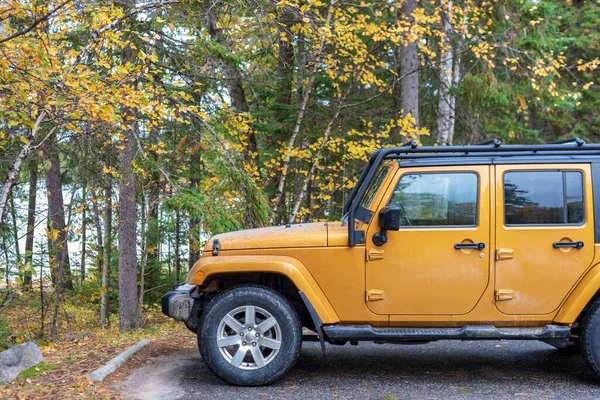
[{"x": 442, "y": 370}]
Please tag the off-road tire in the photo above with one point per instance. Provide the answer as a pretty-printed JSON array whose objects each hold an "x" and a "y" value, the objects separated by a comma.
[
  {"x": 590, "y": 337},
  {"x": 259, "y": 296}
]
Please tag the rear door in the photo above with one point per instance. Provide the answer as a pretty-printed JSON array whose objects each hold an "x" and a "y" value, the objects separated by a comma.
[{"x": 544, "y": 234}]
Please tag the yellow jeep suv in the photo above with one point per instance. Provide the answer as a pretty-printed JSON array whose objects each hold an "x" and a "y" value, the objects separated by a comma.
[{"x": 480, "y": 242}]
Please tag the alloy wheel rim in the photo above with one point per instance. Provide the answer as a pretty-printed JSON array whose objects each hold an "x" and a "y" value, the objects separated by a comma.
[{"x": 249, "y": 337}]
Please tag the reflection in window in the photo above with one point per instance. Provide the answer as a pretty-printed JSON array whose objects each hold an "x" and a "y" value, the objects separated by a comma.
[
  {"x": 437, "y": 199},
  {"x": 543, "y": 198},
  {"x": 372, "y": 190}
]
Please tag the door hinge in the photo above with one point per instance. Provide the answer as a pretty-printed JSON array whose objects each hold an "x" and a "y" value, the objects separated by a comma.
[
  {"x": 504, "y": 254},
  {"x": 375, "y": 295},
  {"x": 373, "y": 255},
  {"x": 504, "y": 294}
]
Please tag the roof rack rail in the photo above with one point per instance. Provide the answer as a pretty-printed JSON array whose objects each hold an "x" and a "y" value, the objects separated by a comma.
[
  {"x": 493, "y": 141},
  {"x": 576, "y": 140}
]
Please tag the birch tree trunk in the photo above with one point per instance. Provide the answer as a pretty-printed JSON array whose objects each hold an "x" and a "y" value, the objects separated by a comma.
[
  {"x": 33, "y": 178},
  {"x": 445, "y": 122},
  {"x": 13, "y": 172}
]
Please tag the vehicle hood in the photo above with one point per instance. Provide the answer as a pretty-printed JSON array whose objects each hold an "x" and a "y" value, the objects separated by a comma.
[{"x": 297, "y": 235}]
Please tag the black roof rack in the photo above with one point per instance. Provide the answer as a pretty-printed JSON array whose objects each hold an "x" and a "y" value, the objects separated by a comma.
[{"x": 492, "y": 147}]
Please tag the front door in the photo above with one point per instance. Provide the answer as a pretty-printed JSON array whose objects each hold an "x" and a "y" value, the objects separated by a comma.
[
  {"x": 438, "y": 262},
  {"x": 544, "y": 235}
]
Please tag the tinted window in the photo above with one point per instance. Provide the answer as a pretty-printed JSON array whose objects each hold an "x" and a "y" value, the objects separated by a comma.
[
  {"x": 543, "y": 198},
  {"x": 437, "y": 199}
]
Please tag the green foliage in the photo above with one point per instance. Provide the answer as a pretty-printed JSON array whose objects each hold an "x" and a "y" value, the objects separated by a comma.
[
  {"x": 5, "y": 335},
  {"x": 36, "y": 371}
]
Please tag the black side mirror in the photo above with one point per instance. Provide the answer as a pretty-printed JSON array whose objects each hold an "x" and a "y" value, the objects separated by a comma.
[{"x": 389, "y": 219}]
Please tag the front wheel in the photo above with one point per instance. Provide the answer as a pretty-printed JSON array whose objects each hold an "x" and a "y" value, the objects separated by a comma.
[{"x": 249, "y": 336}]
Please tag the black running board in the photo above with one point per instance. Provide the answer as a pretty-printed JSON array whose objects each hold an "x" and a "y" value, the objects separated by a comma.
[{"x": 338, "y": 333}]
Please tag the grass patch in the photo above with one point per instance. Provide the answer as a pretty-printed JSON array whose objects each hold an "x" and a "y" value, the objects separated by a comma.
[{"x": 35, "y": 371}]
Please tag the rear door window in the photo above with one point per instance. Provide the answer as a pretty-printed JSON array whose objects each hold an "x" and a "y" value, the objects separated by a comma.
[{"x": 543, "y": 198}]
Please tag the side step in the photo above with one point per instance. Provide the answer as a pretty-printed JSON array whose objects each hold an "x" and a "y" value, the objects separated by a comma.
[{"x": 468, "y": 332}]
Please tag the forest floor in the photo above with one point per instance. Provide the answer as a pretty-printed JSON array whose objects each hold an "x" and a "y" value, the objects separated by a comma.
[{"x": 82, "y": 346}]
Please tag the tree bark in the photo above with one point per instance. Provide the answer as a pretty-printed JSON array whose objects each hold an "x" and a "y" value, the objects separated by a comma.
[
  {"x": 98, "y": 225},
  {"x": 83, "y": 231},
  {"x": 56, "y": 221},
  {"x": 33, "y": 178},
  {"x": 177, "y": 245},
  {"x": 13, "y": 172},
  {"x": 13, "y": 214},
  {"x": 194, "y": 221},
  {"x": 129, "y": 308},
  {"x": 445, "y": 119},
  {"x": 107, "y": 253},
  {"x": 409, "y": 71},
  {"x": 152, "y": 274}
]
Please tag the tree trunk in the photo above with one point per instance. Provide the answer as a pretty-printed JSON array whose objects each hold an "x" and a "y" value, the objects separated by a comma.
[
  {"x": 98, "y": 224},
  {"x": 107, "y": 253},
  {"x": 13, "y": 214},
  {"x": 285, "y": 68},
  {"x": 83, "y": 231},
  {"x": 13, "y": 172},
  {"x": 33, "y": 178},
  {"x": 129, "y": 308},
  {"x": 194, "y": 221},
  {"x": 56, "y": 220},
  {"x": 409, "y": 71},
  {"x": 177, "y": 245},
  {"x": 445, "y": 109},
  {"x": 152, "y": 274}
]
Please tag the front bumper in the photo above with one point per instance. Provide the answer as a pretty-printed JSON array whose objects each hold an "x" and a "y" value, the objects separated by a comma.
[{"x": 181, "y": 303}]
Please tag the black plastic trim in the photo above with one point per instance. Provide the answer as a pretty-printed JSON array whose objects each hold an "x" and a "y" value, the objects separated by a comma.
[
  {"x": 468, "y": 332},
  {"x": 596, "y": 199},
  {"x": 316, "y": 320},
  {"x": 364, "y": 214}
]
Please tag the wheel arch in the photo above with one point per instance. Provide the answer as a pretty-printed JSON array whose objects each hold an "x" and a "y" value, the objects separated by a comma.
[
  {"x": 584, "y": 293},
  {"x": 285, "y": 274}
]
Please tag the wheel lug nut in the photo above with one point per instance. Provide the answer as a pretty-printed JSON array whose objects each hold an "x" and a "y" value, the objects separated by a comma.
[
  {"x": 244, "y": 343},
  {"x": 257, "y": 335},
  {"x": 249, "y": 328},
  {"x": 241, "y": 333},
  {"x": 253, "y": 343}
]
